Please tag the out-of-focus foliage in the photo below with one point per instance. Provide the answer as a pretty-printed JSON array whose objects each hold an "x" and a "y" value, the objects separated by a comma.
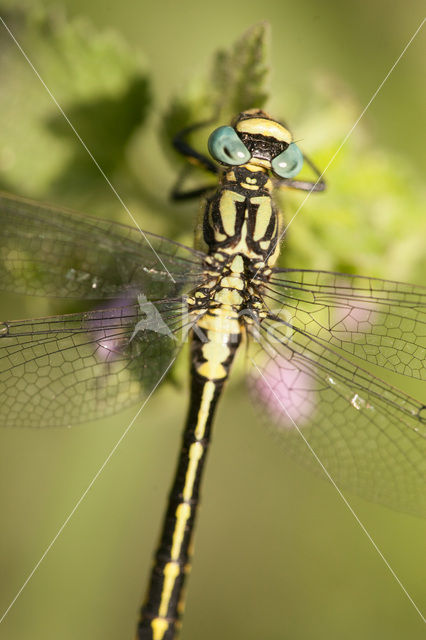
[
  {"x": 105, "y": 90},
  {"x": 257, "y": 504},
  {"x": 237, "y": 80},
  {"x": 359, "y": 224},
  {"x": 102, "y": 86}
]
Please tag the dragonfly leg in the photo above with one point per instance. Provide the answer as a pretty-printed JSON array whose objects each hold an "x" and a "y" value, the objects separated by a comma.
[
  {"x": 177, "y": 193},
  {"x": 182, "y": 145},
  {"x": 305, "y": 185},
  {"x": 196, "y": 158}
]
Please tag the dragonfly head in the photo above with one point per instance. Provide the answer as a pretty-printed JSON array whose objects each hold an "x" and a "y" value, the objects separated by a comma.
[{"x": 259, "y": 142}]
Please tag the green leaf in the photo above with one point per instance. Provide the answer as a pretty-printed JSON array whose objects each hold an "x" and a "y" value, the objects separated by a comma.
[
  {"x": 106, "y": 125},
  {"x": 363, "y": 223},
  {"x": 100, "y": 83},
  {"x": 239, "y": 76},
  {"x": 236, "y": 82}
]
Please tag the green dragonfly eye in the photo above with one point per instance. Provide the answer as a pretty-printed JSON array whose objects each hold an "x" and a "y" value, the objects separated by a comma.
[
  {"x": 225, "y": 146},
  {"x": 289, "y": 162}
]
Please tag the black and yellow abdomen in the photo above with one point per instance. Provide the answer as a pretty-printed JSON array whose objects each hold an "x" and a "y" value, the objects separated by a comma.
[
  {"x": 214, "y": 340},
  {"x": 241, "y": 228}
]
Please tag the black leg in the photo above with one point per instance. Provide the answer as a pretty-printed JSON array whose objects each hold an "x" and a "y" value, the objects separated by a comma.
[
  {"x": 182, "y": 146},
  {"x": 177, "y": 193},
  {"x": 305, "y": 185},
  {"x": 195, "y": 158}
]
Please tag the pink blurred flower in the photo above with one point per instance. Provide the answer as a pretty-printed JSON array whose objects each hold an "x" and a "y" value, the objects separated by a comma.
[{"x": 287, "y": 392}]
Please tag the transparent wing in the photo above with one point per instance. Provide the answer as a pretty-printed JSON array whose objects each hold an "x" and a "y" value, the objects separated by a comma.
[
  {"x": 68, "y": 369},
  {"x": 53, "y": 252},
  {"x": 369, "y": 435},
  {"x": 380, "y": 321}
]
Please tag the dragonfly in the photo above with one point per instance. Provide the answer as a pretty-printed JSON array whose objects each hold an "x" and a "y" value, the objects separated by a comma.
[{"x": 321, "y": 345}]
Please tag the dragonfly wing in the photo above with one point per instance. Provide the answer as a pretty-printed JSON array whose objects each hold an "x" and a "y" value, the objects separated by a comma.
[
  {"x": 67, "y": 369},
  {"x": 54, "y": 252},
  {"x": 369, "y": 435},
  {"x": 379, "y": 321}
]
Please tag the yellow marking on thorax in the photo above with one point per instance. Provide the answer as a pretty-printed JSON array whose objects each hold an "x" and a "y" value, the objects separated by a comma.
[
  {"x": 229, "y": 297},
  {"x": 242, "y": 247},
  {"x": 274, "y": 256},
  {"x": 263, "y": 215},
  {"x": 237, "y": 265},
  {"x": 228, "y": 211},
  {"x": 232, "y": 282},
  {"x": 253, "y": 187}
]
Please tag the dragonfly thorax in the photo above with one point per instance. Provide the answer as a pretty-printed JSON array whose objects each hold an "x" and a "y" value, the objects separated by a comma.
[
  {"x": 231, "y": 296},
  {"x": 240, "y": 217}
]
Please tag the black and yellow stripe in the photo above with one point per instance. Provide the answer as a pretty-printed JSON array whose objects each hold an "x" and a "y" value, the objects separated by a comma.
[
  {"x": 160, "y": 613},
  {"x": 240, "y": 234},
  {"x": 211, "y": 360}
]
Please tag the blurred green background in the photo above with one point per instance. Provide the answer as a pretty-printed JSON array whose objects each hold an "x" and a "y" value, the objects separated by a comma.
[{"x": 278, "y": 555}]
